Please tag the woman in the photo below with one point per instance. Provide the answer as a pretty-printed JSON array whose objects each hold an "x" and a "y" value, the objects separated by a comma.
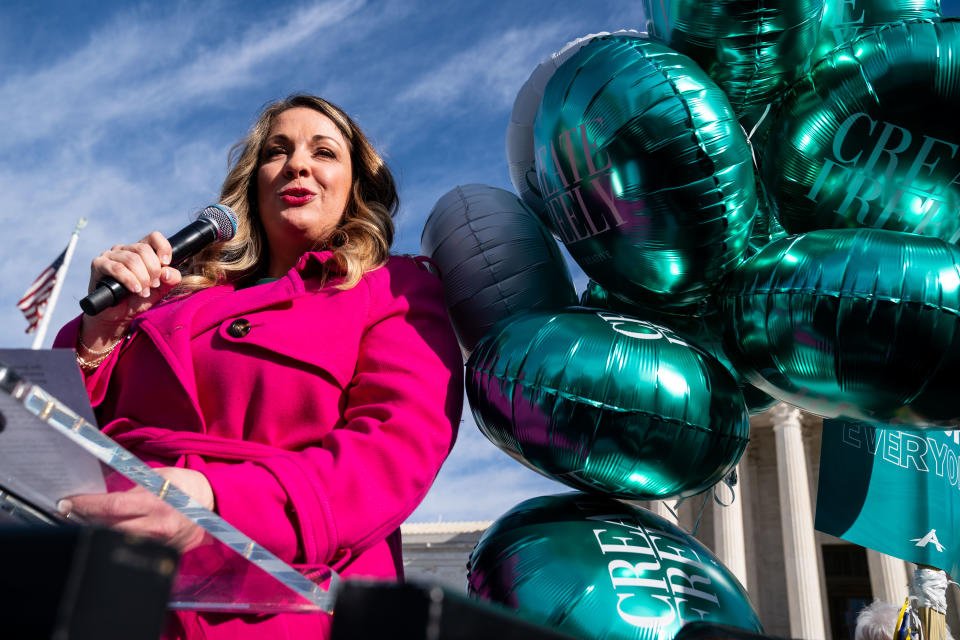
[{"x": 296, "y": 379}]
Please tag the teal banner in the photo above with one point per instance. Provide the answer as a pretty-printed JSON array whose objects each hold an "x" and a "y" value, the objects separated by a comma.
[{"x": 897, "y": 492}]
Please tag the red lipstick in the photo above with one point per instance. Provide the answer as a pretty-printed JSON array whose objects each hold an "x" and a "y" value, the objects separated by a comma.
[{"x": 297, "y": 196}]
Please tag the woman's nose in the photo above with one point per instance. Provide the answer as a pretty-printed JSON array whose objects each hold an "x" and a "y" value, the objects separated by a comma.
[{"x": 296, "y": 165}]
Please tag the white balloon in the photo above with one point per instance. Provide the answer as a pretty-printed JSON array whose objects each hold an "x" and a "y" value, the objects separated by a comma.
[{"x": 521, "y": 154}]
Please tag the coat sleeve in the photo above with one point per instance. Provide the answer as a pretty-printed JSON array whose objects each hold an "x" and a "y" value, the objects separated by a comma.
[{"x": 328, "y": 503}]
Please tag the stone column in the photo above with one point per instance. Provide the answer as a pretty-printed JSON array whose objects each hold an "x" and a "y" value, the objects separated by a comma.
[
  {"x": 796, "y": 521},
  {"x": 888, "y": 577},
  {"x": 728, "y": 536}
]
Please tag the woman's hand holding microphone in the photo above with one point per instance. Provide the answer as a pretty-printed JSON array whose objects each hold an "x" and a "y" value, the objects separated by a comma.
[{"x": 144, "y": 269}]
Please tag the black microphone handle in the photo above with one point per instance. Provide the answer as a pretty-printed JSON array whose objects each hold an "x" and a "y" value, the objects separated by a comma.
[{"x": 184, "y": 243}]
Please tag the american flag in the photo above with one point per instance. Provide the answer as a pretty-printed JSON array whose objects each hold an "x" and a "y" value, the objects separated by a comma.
[{"x": 34, "y": 301}]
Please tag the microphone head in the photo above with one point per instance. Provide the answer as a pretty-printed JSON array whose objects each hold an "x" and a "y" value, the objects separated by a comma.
[{"x": 224, "y": 219}]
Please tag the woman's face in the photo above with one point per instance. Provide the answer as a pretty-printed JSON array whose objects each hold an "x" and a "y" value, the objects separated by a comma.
[{"x": 303, "y": 184}]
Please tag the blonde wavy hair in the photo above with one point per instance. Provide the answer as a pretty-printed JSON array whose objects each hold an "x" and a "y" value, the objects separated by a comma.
[{"x": 360, "y": 243}]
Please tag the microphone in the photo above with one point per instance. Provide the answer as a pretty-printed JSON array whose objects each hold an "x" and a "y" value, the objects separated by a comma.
[{"x": 215, "y": 223}]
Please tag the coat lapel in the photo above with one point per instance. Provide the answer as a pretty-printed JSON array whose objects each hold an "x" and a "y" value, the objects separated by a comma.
[{"x": 172, "y": 324}]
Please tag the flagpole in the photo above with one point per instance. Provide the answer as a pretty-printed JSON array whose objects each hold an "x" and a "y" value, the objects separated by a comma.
[{"x": 52, "y": 301}]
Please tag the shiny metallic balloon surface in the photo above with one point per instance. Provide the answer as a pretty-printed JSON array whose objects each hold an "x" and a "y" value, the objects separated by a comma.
[
  {"x": 856, "y": 323},
  {"x": 600, "y": 569},
  {"x": 495, "y": 257},
  {"x": 844, "y": 20},
  {"x": 645, "y": 171},
  {"x": 766, "y": 227},
  {"x": 605, "y": 402},
  {"x": 753, "y": 49},
  {"x": 519, "y": 138},
  {"x": 870, "y": 137},
  {"x": 765, "y": 230},
  {"x": 700, "y": 331}
]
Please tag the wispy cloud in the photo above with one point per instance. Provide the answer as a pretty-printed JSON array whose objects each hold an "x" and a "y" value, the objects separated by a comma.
[
  {"x": 491, "y": 70},
  {"x": 134, "y": 71}
]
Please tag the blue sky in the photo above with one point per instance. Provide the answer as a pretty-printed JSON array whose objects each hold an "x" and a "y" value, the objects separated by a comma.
[{"x": 124, "y": 114}]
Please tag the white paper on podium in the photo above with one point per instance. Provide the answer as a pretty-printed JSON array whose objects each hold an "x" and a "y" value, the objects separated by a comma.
[
  {"x": 39, "y": 466},
  {"x": 49, "y": 451}
]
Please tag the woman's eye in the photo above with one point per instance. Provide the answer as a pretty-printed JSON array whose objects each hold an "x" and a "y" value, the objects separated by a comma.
[
  {"x": 273, "y": 152},
  {"x": 326, "y": 153}
]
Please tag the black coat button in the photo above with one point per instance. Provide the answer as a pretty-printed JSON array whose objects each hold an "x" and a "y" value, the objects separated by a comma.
[{"x": 239, "y": 328}]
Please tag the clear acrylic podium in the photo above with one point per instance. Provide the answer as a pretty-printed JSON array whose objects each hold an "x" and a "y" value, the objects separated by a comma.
[{"x": 49, "y": 451}]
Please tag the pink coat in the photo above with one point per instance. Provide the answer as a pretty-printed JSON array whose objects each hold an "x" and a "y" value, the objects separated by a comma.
[{"x": 319, "y": 416}]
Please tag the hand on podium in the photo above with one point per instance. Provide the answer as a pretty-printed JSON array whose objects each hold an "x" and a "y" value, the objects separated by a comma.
[{"x": 139, "y": 512}]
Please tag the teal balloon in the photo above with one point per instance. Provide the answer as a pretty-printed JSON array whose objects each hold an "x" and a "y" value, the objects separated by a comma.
[
  {"x": 704, "y": 332},
  {"x": 752, "y": 49},
  {"x": 605, "y": 402},
  {"x": 599, "y": 569},
  {"x": 844, "y": 20},
  {"x": 495, "y": 257},
  {"x": 519, "y": 139},
  {"x": 766, "y": 230},
  {"x": 766, "y": 227},
  {"x": 756, "y": 400},
  {"x": 645, "y": 171},
  {"x": 870, "y": 137},
  {"x": 853, "y": 323}
]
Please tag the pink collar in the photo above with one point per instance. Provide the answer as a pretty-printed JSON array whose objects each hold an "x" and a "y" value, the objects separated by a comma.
[{"x": 312, "y": 261}]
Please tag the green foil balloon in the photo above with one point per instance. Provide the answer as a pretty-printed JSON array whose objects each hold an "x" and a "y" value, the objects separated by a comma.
[
  {"x": 854, "y": 323},
  {"x": 844, "y": 20},
  {"x": 870, "y": 137},
  {"x": 766, "y": 227},
  {"x": 600, "y": 569},
  {"x": 521, "y": 153},
  {"x": 701, "y": 331},
  {"x": 766, "y": 230},
  {"x": 605, "y": 402},
  {"x": 753, "y": 49},
  {"x": 645, "y": 171}
]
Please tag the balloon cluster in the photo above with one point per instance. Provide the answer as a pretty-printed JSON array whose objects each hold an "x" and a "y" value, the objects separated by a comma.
[{"x": 674, "y": 167}]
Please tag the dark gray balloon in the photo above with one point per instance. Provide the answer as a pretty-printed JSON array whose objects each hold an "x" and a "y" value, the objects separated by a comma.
[{"x": 496, "y": 259}]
